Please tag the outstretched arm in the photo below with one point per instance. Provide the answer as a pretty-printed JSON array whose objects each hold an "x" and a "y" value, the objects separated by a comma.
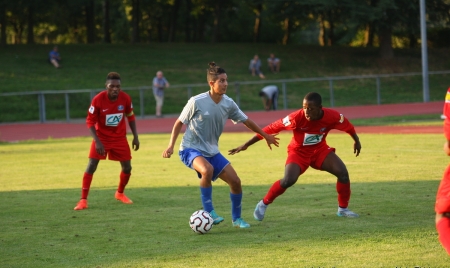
[
  {"x": 270, "y": 139},
  {"x": 173, "y": 138}
]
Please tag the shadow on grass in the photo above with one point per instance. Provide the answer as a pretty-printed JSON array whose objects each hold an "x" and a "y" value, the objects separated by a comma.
[{"x": 41, "y": 229}]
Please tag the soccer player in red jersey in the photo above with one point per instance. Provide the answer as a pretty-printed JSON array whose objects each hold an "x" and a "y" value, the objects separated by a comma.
[
  {"x": 442, "y": 206},
  {"x": 308, "y": 148},
  {"x": 106, "y": 123}
]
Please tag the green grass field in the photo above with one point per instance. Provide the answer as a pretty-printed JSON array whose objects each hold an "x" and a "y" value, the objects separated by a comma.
[
  {"x": 394, "y": 182},
  {"x": 25, "y": 68}
]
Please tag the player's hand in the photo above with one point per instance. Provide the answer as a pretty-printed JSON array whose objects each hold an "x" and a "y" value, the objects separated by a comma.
[
  {"x": 357, "y": 148},
  {"x": 167, "y": 153},
  {"x": 237, "y": 150},
  {"x": 100, "y": 148},
  {"x": 272, "y": 139},
  {"x": 136, "y": 144},
  {"x": 446, "y": 148}
]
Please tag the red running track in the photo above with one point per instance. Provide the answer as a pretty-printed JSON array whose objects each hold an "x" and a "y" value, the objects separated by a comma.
[{"x": 38, "y": 131}]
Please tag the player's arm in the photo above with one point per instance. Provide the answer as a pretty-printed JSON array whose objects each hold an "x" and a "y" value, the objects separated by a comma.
[
  {"x": 255, "y": 138},
  {"x": 270, "y": 139},
  {"x": 91, "y": 121},
  {"x": 357, "y": 144},
  {"x": 132, "y": 123},
  {"x": 173, "y": 138}
]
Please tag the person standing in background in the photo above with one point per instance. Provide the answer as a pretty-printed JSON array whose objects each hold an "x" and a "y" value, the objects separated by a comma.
[{"x": 159, "y": 84}]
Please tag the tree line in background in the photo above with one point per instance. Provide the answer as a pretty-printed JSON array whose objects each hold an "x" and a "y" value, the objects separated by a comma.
[{"x": 382, "y": 23}]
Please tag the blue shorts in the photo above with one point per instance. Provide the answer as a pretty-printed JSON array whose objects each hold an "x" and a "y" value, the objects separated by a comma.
[{"x": 219, "y": 162}]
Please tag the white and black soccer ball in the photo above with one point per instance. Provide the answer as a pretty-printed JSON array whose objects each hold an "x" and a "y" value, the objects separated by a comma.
[{"x": 201, "y": 222}]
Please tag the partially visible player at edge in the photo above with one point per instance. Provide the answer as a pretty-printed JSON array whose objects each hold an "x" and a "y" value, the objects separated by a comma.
[
  {"x": 106, "y": 123},
  {"x": 442, "y": 206},
  {"x": 205, "y": 116},
  {"x": 308, "y": 148}
]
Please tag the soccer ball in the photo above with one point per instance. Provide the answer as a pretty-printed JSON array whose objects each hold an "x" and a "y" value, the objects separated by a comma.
[{"x": 201, "y": 222}]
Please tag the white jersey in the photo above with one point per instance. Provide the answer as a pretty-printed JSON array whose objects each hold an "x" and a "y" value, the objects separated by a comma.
[{"x": 205, "y": 121}]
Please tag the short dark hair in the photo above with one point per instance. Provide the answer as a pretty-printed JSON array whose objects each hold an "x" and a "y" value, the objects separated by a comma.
[
  {"x": 314, "y": 97},
  {"x": 213, "y": 71},
  {"x": 113, "y": 76}
]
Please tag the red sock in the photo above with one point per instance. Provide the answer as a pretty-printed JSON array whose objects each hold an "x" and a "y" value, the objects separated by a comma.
[
  {"x": 124, "y": 178},
  {"x": 87, "y": 179},
  {"x": 344, "y": 192},
  {"x": 443, "y": 228},
  {"x": 274, "y": 191}
]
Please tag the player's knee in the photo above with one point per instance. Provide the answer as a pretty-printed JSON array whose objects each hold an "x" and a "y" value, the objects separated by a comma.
[
  {"x": 343, "y": 177},
  {"x": 126, "y": 169},
  {"x": 288, "y": 182},
  {"x": 206, "y": 171}
]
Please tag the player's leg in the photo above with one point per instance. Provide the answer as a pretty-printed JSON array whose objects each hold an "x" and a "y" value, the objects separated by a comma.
[
  {"x": 86, "y": 183},
  {"x": 124, "y": 178},
  {"x": 291, "y": 173},
  {"x": 205, "y": 171},
  {"x": 334, "y": 165},
  {"x": 230, "y": 176}
]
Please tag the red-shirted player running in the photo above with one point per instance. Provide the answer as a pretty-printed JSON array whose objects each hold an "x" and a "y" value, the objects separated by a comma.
[
  {"x": 308, "y": 147},
  {"x": 442, "y": 206},
  {"x": 106, "y": 123}
]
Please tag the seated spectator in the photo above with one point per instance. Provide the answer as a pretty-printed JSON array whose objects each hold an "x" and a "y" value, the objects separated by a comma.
[
  {"x": 274, "y": 63},
  {"x": 255, "y": 67},
  {"x": 54, "y": 57},
  {"x": 269, "y": 96}
]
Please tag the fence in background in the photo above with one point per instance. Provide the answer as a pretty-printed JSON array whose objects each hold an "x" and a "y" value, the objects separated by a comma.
[{"x": 41, "y": 95}]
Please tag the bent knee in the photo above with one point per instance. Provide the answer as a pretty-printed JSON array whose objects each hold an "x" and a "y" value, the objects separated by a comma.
[{"x": 343, "y": 177}]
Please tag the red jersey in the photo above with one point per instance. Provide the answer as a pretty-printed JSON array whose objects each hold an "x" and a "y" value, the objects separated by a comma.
[
  {"x": 108, "y": 116},
  {"x": 447, "y": 115},
  {"x": 309, "y": 134},
  {"x": 443, "y": 193}
]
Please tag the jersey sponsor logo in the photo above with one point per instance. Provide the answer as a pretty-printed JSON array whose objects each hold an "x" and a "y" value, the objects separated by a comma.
[
  {"x": 286, "y": 121},
  {"x": 342, "y": 118},
  {"x": 113, "y": 120},
  {"x": 120, "y": 108},
  {"x": 91, "y": 109},
  {"x": 311, "y": 139}
]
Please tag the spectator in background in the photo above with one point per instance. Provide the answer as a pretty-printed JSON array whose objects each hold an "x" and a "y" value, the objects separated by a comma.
[
  {"x": 269, "y": 96},
  {"x": 159, "y": 84},
  {"x": 255, "y": 67},
  {"x": 54, "y": 57},
  {"x": 274, "y": 63}
]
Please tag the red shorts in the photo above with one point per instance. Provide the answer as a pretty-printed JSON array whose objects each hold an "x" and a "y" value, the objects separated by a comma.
[
  {"x": 117, "y": 151},
  {"x": 307, "y": 158},
  {"x": 443, "y": 194}
]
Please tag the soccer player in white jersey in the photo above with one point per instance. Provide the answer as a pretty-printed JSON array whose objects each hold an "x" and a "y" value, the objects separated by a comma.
[{"x": 205, "y": 116}]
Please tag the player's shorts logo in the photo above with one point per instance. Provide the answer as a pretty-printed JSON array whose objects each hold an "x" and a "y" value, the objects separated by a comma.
[
  {"x": 113, "y": 120},
  {"x": 311, "y": 139}
]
